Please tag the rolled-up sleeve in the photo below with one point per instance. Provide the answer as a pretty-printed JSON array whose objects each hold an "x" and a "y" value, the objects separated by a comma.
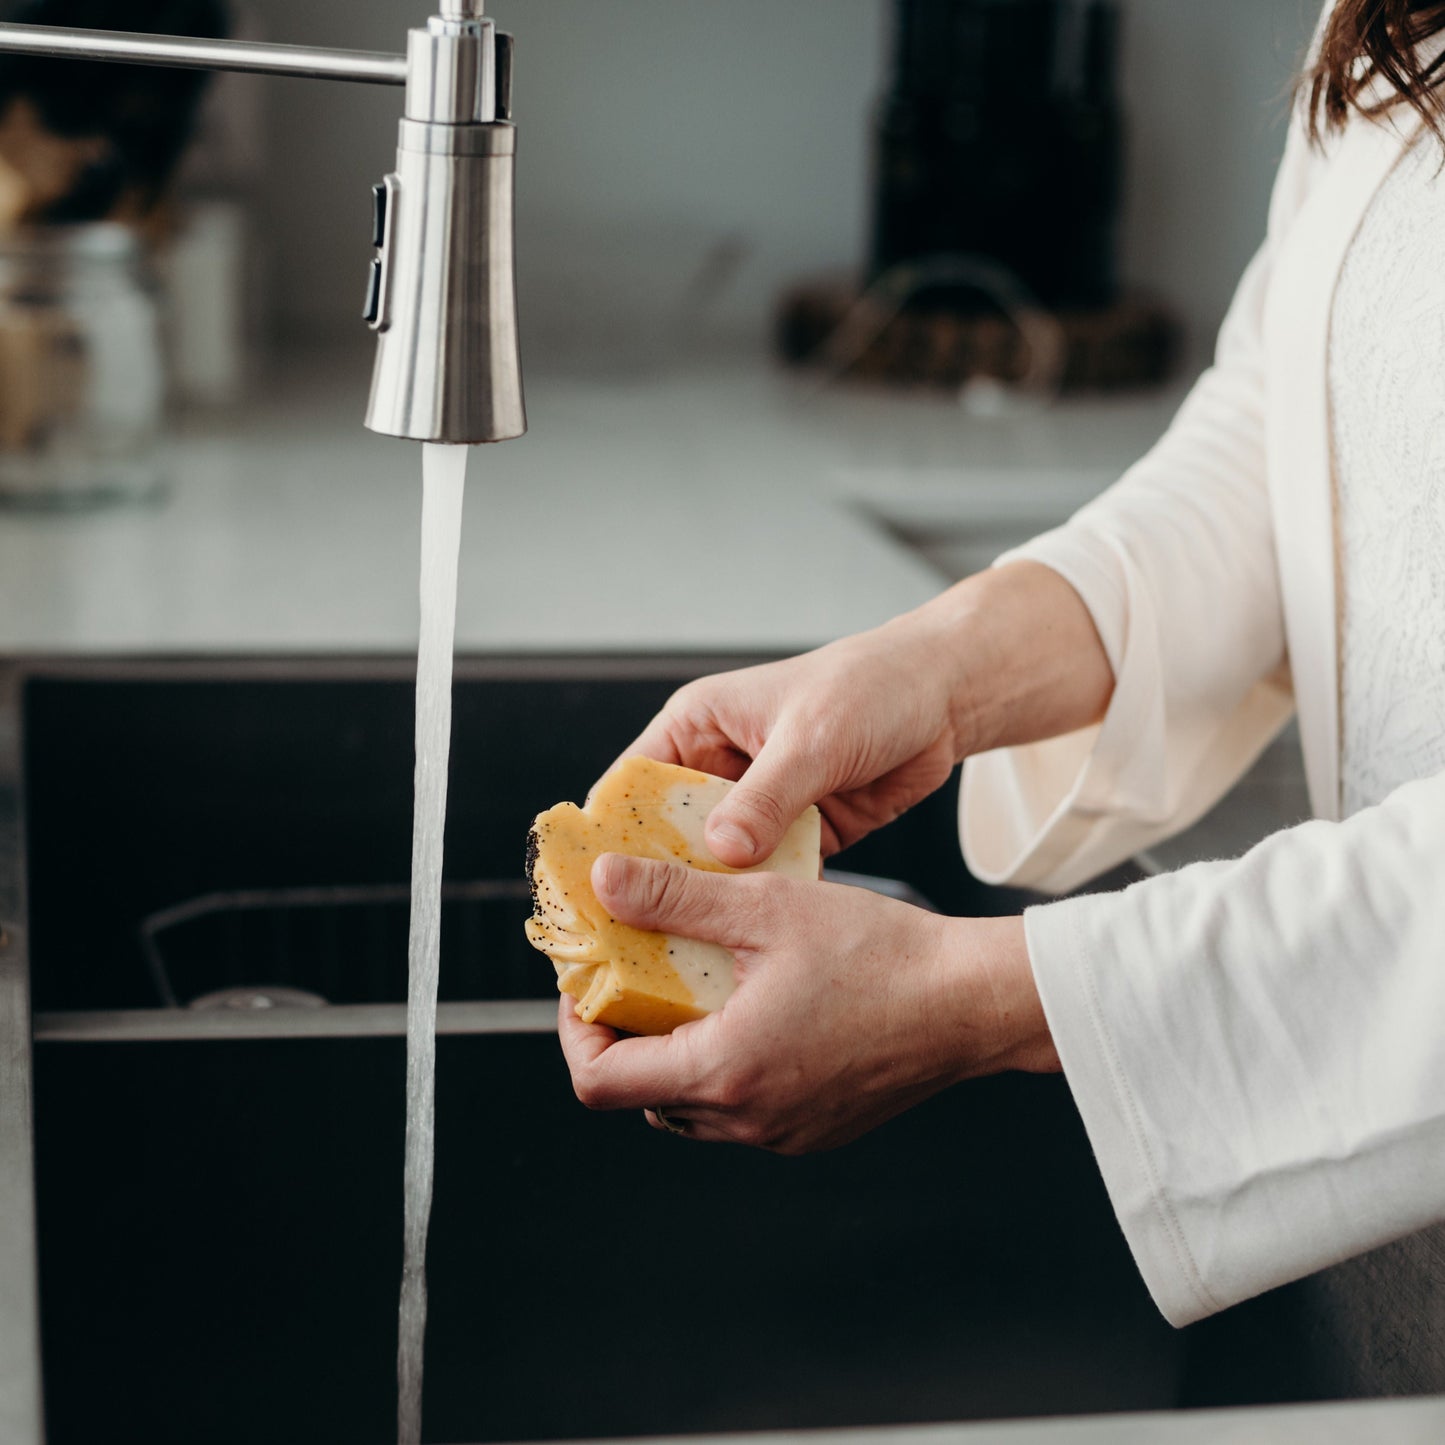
[{"x": 1177, "y": 565}]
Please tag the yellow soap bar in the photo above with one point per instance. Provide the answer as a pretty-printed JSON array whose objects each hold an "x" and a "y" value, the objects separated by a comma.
[{"x": 629, "y": 978}]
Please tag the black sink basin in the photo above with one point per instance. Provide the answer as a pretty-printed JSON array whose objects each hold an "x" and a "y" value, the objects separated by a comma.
[
  {"x": 254, "y": 785},
  {"x": 220, "y": 1216}
]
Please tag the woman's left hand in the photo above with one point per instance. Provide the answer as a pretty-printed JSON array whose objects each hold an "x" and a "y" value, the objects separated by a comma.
[{"x": 850, "y": 1008}]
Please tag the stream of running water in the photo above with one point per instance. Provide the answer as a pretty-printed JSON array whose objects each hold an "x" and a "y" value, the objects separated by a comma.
[{"x": 444, "y": 472}]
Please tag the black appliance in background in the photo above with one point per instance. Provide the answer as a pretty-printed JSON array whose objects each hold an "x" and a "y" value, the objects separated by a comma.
[{"x": 1001, "y": 138}]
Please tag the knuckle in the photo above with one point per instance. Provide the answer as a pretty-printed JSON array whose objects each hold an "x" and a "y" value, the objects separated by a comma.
[
  {"x": 691, "y": 702},
  {"x": 663, "y": 891},
  {"x": 755, "y": 899},
  {"x": 765, "y": 809},
  {"x": 587, "y": 1091},
  {"x": 685, "y": 695}
]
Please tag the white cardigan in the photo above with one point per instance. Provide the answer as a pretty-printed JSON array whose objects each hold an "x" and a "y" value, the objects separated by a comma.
[{"x": 1257, "y": 1047}]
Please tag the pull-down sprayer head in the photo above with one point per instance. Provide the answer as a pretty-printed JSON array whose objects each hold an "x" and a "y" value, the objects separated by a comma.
[{"x": 443, "y": 290}]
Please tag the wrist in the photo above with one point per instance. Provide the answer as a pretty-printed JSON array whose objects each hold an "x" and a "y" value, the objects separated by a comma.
[
  {"x": 1019, "y": 656},
  {"x": 992, "y": 1018},
  {"x": 950, "y": 646}
]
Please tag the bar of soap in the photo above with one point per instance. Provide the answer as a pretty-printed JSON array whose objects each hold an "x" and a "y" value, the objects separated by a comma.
[{"x": 629, "y": 978}]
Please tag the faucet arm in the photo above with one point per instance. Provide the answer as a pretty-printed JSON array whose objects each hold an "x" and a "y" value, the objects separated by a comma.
[{"x": 374, "y": 67}]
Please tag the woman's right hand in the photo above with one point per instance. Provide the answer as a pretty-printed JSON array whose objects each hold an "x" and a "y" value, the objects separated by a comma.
[{"x": 869, "y": 726}]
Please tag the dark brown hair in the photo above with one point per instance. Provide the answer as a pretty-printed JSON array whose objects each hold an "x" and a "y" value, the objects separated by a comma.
[{"x": 1366, "y": 40}]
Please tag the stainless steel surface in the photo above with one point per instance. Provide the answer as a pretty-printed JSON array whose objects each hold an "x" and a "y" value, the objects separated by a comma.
[
  {"x": 448, "y": 360},
  {"x": 451, "y": 72},
  {"x": 335, "y": 1021},
  {"x": 251, "y": 999},
  {"x": 20, "y": 1395},
  {"x": 186, "y": 53},
  {"x": 462, "y": 9}
]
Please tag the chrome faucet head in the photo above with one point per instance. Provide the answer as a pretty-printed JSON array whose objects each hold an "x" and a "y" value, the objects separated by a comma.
[{"x": 442, "y": 298}]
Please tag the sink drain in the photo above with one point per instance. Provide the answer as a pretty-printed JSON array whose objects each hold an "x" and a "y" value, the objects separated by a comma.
[{"x": 252, "y": 1000}]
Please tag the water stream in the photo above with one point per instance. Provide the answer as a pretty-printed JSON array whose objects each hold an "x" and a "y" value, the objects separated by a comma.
[{"x": 444, "y": 472}]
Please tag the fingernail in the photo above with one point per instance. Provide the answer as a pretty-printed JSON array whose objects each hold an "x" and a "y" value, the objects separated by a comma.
[{"x": 733, "y": 837}]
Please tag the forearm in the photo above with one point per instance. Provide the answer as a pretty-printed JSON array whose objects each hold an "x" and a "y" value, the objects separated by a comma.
[{"x": 1022, "y": 658}]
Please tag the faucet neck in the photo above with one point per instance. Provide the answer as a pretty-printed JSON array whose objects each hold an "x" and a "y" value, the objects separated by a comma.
[{"x": 451, "y": 68}]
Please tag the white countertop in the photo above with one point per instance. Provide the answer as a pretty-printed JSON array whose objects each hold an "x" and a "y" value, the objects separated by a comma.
[{"x": 712, "y": 508}]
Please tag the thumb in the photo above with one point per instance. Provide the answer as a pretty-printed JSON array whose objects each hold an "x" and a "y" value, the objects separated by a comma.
[
  {"x": 669, "y": 898},
  {"x": 749, "y": 823}
]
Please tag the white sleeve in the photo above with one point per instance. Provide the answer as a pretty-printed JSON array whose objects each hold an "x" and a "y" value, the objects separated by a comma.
[
  {"x": 1257, "y": 1049},
  {"x": 1176, "y": 563}
]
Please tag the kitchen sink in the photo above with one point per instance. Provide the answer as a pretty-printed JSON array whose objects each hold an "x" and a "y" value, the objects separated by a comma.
[{"x": 212, "y": 928}]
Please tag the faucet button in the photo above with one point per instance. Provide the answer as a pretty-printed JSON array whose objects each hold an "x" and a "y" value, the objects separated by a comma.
[
  {"x": 378, "y": 214},
  {"x": 373, "y": 294}
]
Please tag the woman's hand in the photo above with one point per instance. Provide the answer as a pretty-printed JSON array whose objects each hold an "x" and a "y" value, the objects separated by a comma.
[
  {"x": 850, "y": 1008},
  {"x": 869, "y": 726},
  {"x": 862, "y": 727}
]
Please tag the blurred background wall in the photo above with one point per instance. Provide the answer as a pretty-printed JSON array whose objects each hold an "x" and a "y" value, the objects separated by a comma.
[{"x": 677, "y": 145}]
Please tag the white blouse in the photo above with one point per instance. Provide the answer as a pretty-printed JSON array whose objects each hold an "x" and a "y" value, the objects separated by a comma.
[
  {"x": 1387, "y": 403},
  {"x": 1257, "y": 1046}
]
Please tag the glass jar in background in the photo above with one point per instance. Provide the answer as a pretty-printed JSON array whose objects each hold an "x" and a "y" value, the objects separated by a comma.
[{"x": 82, "y": 382}]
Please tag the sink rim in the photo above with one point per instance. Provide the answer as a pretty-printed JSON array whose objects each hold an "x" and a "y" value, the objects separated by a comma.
[{"x": 21, "y": 1410}]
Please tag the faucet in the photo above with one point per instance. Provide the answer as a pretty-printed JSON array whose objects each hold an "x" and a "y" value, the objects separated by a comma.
[{"x": 441, "y": 294}]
